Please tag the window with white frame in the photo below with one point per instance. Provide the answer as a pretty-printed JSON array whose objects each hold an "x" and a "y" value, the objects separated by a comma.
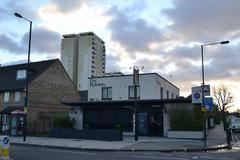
[
  {"x": 131, "y": 92},
  {"x": 6, "y": 97},
  {"x": 106, "y": 93},
  {"x": 17, "y": 96},
  {"x": 21, "y": 74}
]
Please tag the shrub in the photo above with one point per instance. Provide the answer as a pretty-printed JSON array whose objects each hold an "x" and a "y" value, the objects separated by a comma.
[
  {"x": 184, "y": 119},
  {"x": 119, "y": 126},
  {"x": 62, "y": 121}
]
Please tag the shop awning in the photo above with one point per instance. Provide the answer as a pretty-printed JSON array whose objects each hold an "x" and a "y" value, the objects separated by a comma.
[{"x": 10, "y": 109}]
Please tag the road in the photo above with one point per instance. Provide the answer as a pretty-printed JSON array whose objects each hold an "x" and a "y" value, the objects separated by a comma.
[
  {"x": 39, "y": 153},
  {"x": 236, "y": 137},
  {"x": 236, "y": 140}
]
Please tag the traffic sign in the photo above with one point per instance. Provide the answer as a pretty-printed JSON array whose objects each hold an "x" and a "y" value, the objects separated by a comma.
[
  {"x": 5, "y": 140},
  {"x": 206, "y": 90},
  {"x": 197, "y": 94},
  {"x": 208, "y": 103}
]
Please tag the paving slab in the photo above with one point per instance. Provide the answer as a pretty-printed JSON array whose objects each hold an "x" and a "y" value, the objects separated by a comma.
[{"x": 216, "y": 140}]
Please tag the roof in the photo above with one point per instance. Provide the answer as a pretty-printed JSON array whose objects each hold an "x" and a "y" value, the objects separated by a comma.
[
  {"x": 126, "y": 102},
  {"x": 8, "y": 110},
  {"x": 142, "y": 74},
  {"x": 8, "y": 74},
  {"x": 83, "y": 34}
]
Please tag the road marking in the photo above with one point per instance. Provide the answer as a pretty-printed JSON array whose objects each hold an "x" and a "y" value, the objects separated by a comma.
[
  {"x": 207, "y": 157},
  {"x": 237, "y": 138},
  {"x": 157, "y": 157},
  {"x": 66, "y": 151},
  {"x": 149, "y": 154}
]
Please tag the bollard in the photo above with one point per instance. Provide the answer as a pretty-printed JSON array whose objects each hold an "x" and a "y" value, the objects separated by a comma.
[{"x": 4, "y": 147}]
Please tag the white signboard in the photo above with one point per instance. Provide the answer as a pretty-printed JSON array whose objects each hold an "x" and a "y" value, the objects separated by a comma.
[{"x": 197, "y": 94}]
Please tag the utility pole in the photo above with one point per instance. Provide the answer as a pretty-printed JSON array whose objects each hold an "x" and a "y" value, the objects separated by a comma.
[{"x": 136, "y": 84}]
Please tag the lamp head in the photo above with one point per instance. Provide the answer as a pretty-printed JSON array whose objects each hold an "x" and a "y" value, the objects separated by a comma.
[
  {"x": 18, "y": 15},
  {"x": 224, "y": 42}
]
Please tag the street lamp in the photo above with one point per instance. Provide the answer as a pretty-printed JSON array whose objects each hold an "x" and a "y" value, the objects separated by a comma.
[
  {"x": 203, "y": 84},
  {"x": 27, "y": 76}
]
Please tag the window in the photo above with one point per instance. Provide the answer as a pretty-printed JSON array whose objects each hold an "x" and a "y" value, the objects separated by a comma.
[
  {"x": 161, "y": 92},
  {"x": 167, "y": 94},
  {"x": 172, "y": 95},
  {"x": 106, "y": 93},
  {"x": 131, "y": 92},
  {"x": 176, "y": 96},
  {"x": 6, "y": 97},
  {"x": 17, "y": 96},
  {"x": 21, "y": 74}
]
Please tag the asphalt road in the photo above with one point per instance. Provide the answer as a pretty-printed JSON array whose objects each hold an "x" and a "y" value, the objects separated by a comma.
[
  {"x": 236, "y": 137},
  {"x": 39, "y": 153}
]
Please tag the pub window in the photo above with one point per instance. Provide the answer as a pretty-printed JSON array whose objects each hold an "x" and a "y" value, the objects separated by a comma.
[
  {"x": 172, "y": 95},
  {"x": 106, "y": 93},
  {"x": 167, "y": 94},
  {"x": 131, "y": 92},
  {"x": 161, "y": 92}
]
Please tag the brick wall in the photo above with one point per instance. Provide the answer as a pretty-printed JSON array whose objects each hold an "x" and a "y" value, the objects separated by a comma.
[{"x": 46, "y": 93}]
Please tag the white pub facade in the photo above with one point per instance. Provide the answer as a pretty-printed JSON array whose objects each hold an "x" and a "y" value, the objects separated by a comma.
[{"x": 117, "y": 86}]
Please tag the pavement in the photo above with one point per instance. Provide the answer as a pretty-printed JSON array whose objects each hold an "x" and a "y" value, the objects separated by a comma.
[{"x": 216, "y": 140}]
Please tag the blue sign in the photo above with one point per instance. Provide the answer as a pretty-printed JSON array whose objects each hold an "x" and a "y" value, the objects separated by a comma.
[
  {"x": 208, "y": 103},
  {"x": 5, "y": 140}
]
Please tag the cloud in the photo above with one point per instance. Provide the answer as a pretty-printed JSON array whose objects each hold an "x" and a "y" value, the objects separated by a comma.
[
  {"x": 25, "y": 9},
  {"x": 133, "y": 33},
  {"x": 2, "y": 11},
  {"x": 64, "y": 6},
  {"x": 112, "y": 63},
  {"x": 183, "y": 52},
  {"x": 14, "y": 62},
  {"x": 7, "y": 43},
  {"x": 204, "y": 20},
  {"x": 43, "y": 41}
]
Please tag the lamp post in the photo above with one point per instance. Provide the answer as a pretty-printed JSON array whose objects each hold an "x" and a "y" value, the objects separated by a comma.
[
  {"x": 203, "y": 84},
  {"x": 27, "y": 76}
]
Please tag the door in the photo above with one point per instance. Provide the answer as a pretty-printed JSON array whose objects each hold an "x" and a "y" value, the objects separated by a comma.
[
  {"x": 14, "y": 125},
  {"x": 142, "y": 124},
  {"x": 155, "y": 121}
]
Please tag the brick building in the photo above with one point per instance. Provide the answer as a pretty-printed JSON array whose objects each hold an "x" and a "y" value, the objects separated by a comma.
[{"x": 49, "y": 85}]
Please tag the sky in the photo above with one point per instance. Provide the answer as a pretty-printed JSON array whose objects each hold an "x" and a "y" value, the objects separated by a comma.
[{"x": 163, "y": 36}]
